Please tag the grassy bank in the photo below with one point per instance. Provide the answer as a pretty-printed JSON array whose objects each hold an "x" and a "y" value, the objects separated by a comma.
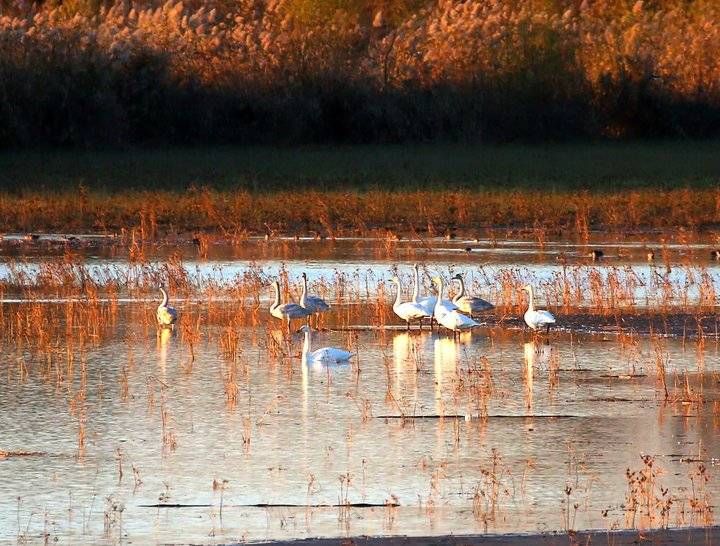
[{"x": 237, "y": 190}]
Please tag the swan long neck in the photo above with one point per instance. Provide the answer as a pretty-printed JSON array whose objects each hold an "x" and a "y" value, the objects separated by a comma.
[
  {"x": 397, "y": 296},
  {"x": 304, "y": 291},
  {"x": 441, "y": 289},
  {"x": 276, "y": 286},
  {"x": 416, "y": 288},
  {"x": 531, "y": 298},
  {"x": 462, "y": 289},
  {"x": 165, "y": 297}
]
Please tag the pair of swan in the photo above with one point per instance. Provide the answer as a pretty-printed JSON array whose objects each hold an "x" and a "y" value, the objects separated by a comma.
[
  {"x": 451, "y": 319},
  {"x": 309, "y": 305},
  {"x": 286, "y": 311},
  {"x": 428, "y": 303}
]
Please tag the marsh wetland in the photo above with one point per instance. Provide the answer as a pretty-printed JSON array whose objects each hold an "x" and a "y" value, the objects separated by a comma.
[{"x": 217, "y": 431}]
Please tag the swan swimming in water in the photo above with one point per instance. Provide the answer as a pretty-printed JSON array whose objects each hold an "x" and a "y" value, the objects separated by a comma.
[
  {"x": 470, "y": 304},
  {"x": 408, "y": 311},
  {"x": 166, "y": 316},
  {"x": 313, "y": 304},
  {"x": 326, "y": 355},
  {"x": 452, "y": 320},
  {"x": 537, "y": 319},
  {"x": 286, "y": 311}
]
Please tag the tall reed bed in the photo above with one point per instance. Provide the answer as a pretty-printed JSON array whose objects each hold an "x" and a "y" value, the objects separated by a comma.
[
  {"x": 94, "y": 72},
  {"x": 70, "y": 297}
]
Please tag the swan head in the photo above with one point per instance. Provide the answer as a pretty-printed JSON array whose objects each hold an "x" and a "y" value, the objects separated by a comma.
[
  {"x": 305, "y": 329},
  {"x": 395, "y": 280},
  {"x": 304, "y": 276},
  {"x": 527, "y": 288},
  {"x": 456, "y": 277}
]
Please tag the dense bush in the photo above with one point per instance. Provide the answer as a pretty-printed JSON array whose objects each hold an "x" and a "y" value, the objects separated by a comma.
[{"x": 84, "y": 72}]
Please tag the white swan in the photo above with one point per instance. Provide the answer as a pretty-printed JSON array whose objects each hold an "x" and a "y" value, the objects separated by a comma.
[
  {"x": 314, "y": 304},
  {"x": 326, "y": 355},
  {"x": 408, "y": 311},
  {"x": 428, "y": 302},
  {"x": 166, "y": 315},
  {"x": 470, "y": 304},
  {"x": 537, "y": 319},
  {"x": 286, "y": 311},
  {"x": 452, "y": 320}
]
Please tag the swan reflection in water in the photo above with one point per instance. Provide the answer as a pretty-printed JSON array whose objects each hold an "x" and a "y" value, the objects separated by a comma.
[
  {"x": 537, "y": 355},
  {"x": 163, "y": 340},
  {"x": 408, "y": 357},
  {"x": 446, "y": 350}
]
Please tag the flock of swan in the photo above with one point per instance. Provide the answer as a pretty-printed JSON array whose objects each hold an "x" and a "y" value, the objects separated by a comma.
[{"x": 455, "y": 315}]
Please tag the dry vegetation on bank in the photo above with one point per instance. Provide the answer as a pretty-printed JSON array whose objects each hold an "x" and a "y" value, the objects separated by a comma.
[
  {"x": 546, "y": 191},
  {"x": 89, "y": 72},
  {"x": 424, "y": 213}
]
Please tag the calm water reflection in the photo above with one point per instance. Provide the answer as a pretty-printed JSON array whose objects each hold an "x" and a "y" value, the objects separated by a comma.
[{"x": 486, "y": 432}]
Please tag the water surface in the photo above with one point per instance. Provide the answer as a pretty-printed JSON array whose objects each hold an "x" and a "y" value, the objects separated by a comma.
[{"x": 420, "y": 434}]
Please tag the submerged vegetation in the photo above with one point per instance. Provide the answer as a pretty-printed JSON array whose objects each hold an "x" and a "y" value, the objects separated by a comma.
[{"x": 93, "y": 72}]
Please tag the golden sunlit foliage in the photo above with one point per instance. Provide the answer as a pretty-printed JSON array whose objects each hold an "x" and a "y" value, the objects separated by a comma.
[{"x": 88, "y": 72}]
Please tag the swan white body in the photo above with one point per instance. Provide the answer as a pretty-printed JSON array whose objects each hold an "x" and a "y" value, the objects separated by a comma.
[
  {"x": 537, "y": 318},
  {"x": 286, "y": 311},
  {"x": 327, "y": 355},
  {"x": 428, "y": 303},
  {"x": 452, "y": 320},
  {"x": 408, "y": 311},
  {"x": 314, "y": 304},
  {"x": 470, "y": 304},
  {"x": 165, "y": 315}
]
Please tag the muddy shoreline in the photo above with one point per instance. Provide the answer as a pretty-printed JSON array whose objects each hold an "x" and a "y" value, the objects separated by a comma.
[
  {"x": 691, "y": 535},
  {"x": 673, "y": 324}
]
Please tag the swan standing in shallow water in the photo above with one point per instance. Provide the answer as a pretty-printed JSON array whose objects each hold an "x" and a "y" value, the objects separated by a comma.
[
  {"x": 428, "y": 303},
  {"x": 537, "y": 319},
  {"x": 166, "y": 316},
  {"x": 452, "y": 320},
  {"x": 470, "y": 304},
  {"x": 326, "y": 355},
  {"x": 408, "y": 311},
  {"x": 286, "y": 311},
  {"x": 313, "y": 304}
]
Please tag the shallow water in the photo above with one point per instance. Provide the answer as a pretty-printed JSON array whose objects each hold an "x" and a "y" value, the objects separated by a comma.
[
  {"x": 677, "y": 276},
  {"x": 493, "y": 432}
]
